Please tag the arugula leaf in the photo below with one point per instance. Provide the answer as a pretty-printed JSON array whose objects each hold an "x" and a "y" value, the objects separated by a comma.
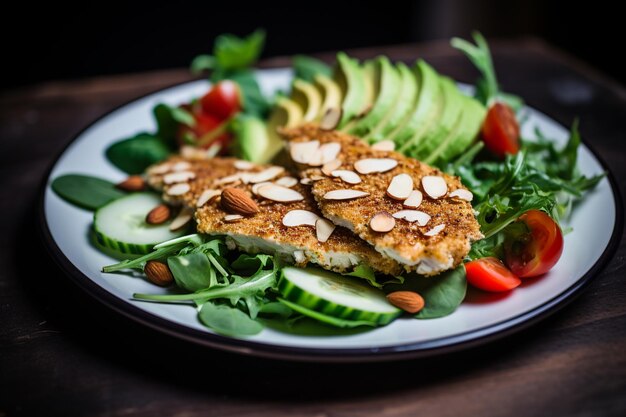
[
  {"x": 134, "y": 155},
  {"x": 194, "y": 271},
  {"x": 235, "y": 53},
  {"x": 85, "y": 191},
  {"x": 139, "y": 263},
  {"x": 228, "y": 320},
  {"x": 306, "y": 68}
]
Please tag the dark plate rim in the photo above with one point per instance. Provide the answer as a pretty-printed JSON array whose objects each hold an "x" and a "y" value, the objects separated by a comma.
[{"x": 396, "y": 352}]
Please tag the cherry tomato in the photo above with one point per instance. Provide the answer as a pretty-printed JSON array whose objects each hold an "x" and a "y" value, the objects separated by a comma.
[
  {"x": 500, "y": 130},
  {"x": 205, "y": 124},
  {"x": 489, "y": 274},
  {"x": 223, "y": 100},
  {"x": 538, "y": 251}
]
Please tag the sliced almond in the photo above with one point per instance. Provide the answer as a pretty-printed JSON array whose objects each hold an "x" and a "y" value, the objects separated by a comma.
[
  {"x": 228, "y": 179},
  {"x": 184, "y": 216},
  {"x": 243, "y": 165},
  {"x": 295, "y": 218},
  {"x": 400, "y": 187},
  {"x": 414, "y": 200},
  {"x": 384, "y": 145},
  {"x": 181, "y": 166},
  {"x": 462, "y": 194},
  {"x": 267, "y": 174},
  {"x": 178, "y": 189},
  {"x": 316, "y": 159},
  {"x": 235, "y": 200},
  {"x": 344, "y": 194},
  {"x": 301, "y": 152},
  {"x": 382, "y": 222},
  {"x": 191, "y": 152},
  {"x": 331, "y": 166},
  {"x": 435, "y": 230},
  {"x": 286, "y": 181},
  {"x": 435, "y": 186},
  {"x": 413, "y": 216},
  {"x": 232, "y": 217},
  {"x": 278, "y": 193},
  {"x": 331, "y": 118},
  {"x": 306, "y": 181},
  {"x": 323, "y": 229},
  {"x": 255, "y": 187},
  {"x": 206, "y": 196},
  {"x": 160, "y": 169},
  {"x": 348, "y": 176},
  {"x": 329, "y": 151},
  {"x": 373, "y": 165},
  {"x": 180, "y": 176}
]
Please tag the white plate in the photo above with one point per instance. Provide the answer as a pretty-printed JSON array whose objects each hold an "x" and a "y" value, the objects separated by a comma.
[{"x": 480, "y": 318}]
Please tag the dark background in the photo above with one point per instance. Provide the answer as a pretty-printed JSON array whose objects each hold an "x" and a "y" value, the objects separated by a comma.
[{"x": 59, "y": 42}]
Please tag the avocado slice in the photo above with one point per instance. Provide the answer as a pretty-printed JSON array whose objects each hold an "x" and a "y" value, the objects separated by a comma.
[
  {"x": 403, "y": 103},
  {"x": 426, "y": 108},
  {"x": 461, "y": 137},
  {"x": 350, "y": 78},
  {"x": 452, "y": 100},
  {"x": 385, "y": 83},
  {"x": 256, "y": 141},
  {"x": 308, "y": 98},
  {"x": 329, "y": 92}
]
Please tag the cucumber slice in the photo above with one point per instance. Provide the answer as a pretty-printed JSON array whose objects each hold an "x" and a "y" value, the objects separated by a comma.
[
  {"x": 335, "y": 295},
  {"x": 334, "y": 321},
  {"x": 121, "y": 225}
]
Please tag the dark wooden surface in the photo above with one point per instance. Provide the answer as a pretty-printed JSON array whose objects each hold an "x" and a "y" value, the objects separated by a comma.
[{"x": 62, "y": 353}]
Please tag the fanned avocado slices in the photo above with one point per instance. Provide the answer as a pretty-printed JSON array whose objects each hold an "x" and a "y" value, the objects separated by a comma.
[
  {"x": 330, "y": 93},
  {"x": 354, "y": 90},
  {"x": 385, "y": 83},
  {"x": 308, "y": 97}
]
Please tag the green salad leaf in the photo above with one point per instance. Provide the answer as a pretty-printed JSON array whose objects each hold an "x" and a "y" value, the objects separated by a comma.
[
  {"x": 227, "y": 320},
  {"x": 169, "y": 119},
  {"x": 135, "y": 154},
  {"x": 306, "y": 68},
  {"x": 85, "y": 191}
]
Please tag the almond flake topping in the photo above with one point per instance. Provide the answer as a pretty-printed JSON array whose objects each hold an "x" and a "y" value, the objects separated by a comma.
[
  {"x": 180, "y": 176},
  {"x": 179, "y": 189},
  {"x": 323, "y": 229},
  {"x": 267, "y": 174},
  {"x": 413, "y": 216},
  {"x": 345, "y": 194},
  {"x": 331, "y": 118},
  {"x": 434, "y": 186},
  {"x": 435, "y": 230},
  {"x": 414, "y": 200},
  {"x": 462, "y": 194},
  {"x": 206, "y": 196},
  {"x": 331, "y": 166},
  {"x": 255, "y": 187},
  {"x": 232, "y": 217},
  {"x": 329, "y": 151},
  {"x": 243, "y": 165},
  {"x": 374, "y": 165},
  {"x": 301, "y": 152},
  {"x": 384, "y": 145},
  {"x": 348, "y": 176},
  {"x": 400, "y": 187},
  {"x": 228, "y": 179},
  {"x": 160, "y": 169},
  {"x": 184, "y": 217},
  {"x": 181, "y": 166},
  {"x": 278, "y": 193},
  {"x": 286, "y": 181},
  {"x": 300, "y": 218},
  {"x": 382, "y": 222}
]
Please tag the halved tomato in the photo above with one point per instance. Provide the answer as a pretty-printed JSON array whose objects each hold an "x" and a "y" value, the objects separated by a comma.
[
  {"x": 490, "y": 274},
  {"x": 500, "y": 130},
  {"x": 223, "y": 100}
]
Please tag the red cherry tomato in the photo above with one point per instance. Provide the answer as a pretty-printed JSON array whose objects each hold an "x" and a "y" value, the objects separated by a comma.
[
  {"x": 223, "y": 100},
  {"x": 500, "y": 130},
  {"x": 489, "y": 274},
  {"x": 205, "y": 124},
  {"x": 538, "y": 251}
]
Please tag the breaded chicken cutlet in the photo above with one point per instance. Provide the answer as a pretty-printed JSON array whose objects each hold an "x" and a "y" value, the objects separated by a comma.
[
  {"x": 410, "y": 212},
  {"x": 200, "y": 185}
]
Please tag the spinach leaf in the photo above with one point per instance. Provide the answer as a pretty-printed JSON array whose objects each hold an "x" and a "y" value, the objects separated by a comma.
[
  {"x": 233, "y": 53},
  {"x": 251, "y": 264},
  {"x": 85, "y": 191},
  {"x": 168, "y": 121},
  {"x": 134, "y": 155},
  {"x": 337, "y": 322},
  {"x": 275, "y": 308},
  {"x": 367, "y": 273},
  {"x": 228, "y": 320},
  {"x": 442, "y": 294},
  {"x": 306, "y": 68},
  {"x": 193, "y": 272}
]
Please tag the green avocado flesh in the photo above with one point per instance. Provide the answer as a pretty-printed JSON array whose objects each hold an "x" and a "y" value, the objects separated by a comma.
[
  {"x": 308, "y": 97},
  {"x": 350, "y": 78}
]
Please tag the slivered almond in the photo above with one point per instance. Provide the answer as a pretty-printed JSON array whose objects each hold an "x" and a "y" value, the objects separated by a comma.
[
  {"x": 237, "y": 201},
  {"x": 178, "y": 189},
  {"x": 184, "y": 216},
  {"x": 409, "y": 301},
  {"x": 435, "y": 230},
  {"x": 306, "y": 181},
  {"x": 243, "y": 165},
  {"x": 267, "y": 174},
  {"x": 301, "y": 152},
  {"x": 255, "y": 187},
  {"x": 331, "y": 118},
  {"x": 295, "y": 218},
  {"x": 348, "y": 176},
  {"x": 160, "y": 169},
  {"x": 181, "y": 166},
  {"x": 413, "y": 216},
  {"x": 158, "y": 273},
  {"x": 462, "y": 194},
  {"x": 400, "y": 187},
  {"x": 373, "y": 165},
  {"x": 384, "y": 145},
  {"x": 344, "y": 194},
  {"x": 180, "y": 176},
  {"x": 206, "y": 196},
  {"x": 159, "y": 214},
  {"x": 286, "y": 181},
  {"x": 317, "y": 159},
  {"x": 382, "y": 222},
  {"x": 228, "y": 179},
  {"x": 323, "y": 229},
  {"x": 414, "y": 200},
  {"x": 435, "y": 186},
  {"x": 191, "y": 152},
  {"x": 232, "y": 217},
  {"x": 132, "y": 183},
  {"x": 278, "y": 193},
  {"x": 329, "y": 151},
  {"x": 331, "y": 166}
]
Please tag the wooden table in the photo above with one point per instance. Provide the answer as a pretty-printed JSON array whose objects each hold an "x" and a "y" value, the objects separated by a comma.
[{"x": 62, "y": 353}]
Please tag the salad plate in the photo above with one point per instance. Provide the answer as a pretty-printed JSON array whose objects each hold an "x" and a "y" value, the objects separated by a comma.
[{"x": 595, "y": 226}]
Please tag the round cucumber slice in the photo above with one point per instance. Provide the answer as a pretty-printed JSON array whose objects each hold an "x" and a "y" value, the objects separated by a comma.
[
  {"x": 335, "y": 295},
  {"x": 121, "y": 225}
]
